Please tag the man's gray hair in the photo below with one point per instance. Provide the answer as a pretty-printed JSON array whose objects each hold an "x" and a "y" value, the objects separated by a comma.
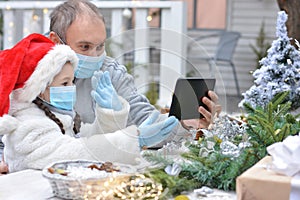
[{"x": 64, "y": 15}]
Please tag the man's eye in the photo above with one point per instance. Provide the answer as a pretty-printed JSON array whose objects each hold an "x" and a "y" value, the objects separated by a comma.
[
  {"x": 85, "y": 47},
  {"x": 100, "y": 47}
]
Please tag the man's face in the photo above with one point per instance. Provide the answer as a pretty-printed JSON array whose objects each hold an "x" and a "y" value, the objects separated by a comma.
[{"x": 87, "y": 36}]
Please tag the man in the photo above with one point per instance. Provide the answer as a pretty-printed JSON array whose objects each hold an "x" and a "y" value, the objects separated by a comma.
[{"x": 79, "y": 24}]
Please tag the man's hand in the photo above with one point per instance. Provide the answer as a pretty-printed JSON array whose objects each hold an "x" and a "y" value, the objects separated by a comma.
[
  {"x": 152, "y": 132},
  {"x": 214, "y": 110},
  {"x": 104, "y": 93}
]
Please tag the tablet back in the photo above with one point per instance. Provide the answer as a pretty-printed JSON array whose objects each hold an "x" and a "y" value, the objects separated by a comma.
[{"x": 188, "y": 95}]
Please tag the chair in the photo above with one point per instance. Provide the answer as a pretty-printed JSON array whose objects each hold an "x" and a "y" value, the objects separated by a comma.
[{"x": 223, "y": 53}]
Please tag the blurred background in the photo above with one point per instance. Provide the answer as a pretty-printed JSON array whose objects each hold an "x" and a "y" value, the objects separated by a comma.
[{"x": 160, "y": 41}]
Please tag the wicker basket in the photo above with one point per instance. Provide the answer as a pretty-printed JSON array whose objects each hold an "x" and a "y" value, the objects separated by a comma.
[{"x": 98, "y": 187}]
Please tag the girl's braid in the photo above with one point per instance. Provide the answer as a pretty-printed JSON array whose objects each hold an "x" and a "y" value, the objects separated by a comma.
[{"x": 52, "y": 116}]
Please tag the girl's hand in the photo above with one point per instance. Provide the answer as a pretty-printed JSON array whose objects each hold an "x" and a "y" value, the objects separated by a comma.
[{"x": 3, "y": 168}]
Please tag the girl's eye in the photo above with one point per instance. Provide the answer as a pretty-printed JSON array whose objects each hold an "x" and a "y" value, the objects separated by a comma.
[{"x": 65, "y": 84}]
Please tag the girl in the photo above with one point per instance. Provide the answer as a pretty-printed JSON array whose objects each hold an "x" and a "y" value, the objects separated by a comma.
[{"x": 41, "y": 126}]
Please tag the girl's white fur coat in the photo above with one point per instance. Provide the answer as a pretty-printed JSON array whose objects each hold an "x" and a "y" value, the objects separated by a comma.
[{"x": 32, "y": 140}]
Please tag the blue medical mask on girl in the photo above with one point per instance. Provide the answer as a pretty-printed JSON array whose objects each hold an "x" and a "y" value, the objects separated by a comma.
[
  {"x": 63, "y": 97},
  {"x": 87, "y": 65}
]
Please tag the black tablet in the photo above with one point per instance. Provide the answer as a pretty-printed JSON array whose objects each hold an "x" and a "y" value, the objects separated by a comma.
[{"x": 187, "y": 97}]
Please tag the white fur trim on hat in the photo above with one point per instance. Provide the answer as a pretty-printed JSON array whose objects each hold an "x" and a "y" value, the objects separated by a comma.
[{"x": 47, "y": 68}]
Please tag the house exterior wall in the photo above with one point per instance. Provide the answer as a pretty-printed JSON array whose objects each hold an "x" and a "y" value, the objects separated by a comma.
[{"x": 246, "y": 16}]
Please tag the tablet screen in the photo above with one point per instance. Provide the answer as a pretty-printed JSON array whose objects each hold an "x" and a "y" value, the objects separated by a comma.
[{"x": 188, "y": 95}]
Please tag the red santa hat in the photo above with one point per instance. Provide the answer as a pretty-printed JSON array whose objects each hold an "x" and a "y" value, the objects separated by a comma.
[{"x": 29, "y": 67}]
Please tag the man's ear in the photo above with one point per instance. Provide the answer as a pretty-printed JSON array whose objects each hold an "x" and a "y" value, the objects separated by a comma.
[{"x": 54, "y": 38}]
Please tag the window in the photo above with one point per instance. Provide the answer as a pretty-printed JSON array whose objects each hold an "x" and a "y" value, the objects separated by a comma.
[
  {"x": 211, "y": 14},
  {"x": 201, "y": 14},
  {"x": 206, "y": 14}
]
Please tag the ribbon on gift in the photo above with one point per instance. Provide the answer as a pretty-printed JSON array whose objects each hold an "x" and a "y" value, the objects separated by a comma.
[
  {"x": 285, "y": 155},
  {"x": 286, "y": 161}
]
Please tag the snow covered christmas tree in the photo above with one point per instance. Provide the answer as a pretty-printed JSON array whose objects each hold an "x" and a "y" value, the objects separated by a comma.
[{"x": 279, "y": 71}]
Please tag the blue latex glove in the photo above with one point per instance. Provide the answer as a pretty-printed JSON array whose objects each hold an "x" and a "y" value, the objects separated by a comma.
[
  {"x": 103, "y": 91},
  {"x": 152, "y": 132}
]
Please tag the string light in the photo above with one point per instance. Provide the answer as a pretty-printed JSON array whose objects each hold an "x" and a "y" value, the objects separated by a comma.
[
  {"x": 11, "y": 24},
  {"x": 138, "y": 187},
  {"x": 35, "y": 17},
  {"x": 149, "y": 18},
  {"x": 127, "y": 13},
  {"x": 45, "y": 10}
]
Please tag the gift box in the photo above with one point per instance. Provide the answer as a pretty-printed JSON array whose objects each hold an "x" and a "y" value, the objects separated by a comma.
[{"x": 261, "y": 183}]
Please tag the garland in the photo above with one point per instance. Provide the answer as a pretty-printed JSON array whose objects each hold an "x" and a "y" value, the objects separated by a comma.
[{"x": 227, "y": 150}]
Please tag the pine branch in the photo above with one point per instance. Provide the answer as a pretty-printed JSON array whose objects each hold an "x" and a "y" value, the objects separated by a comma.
[
  {"x": 279, "y": 98},
  {"x": 248, "y": 108},
  {"x": 157, "y": 159},
  {"x": 175, "y": 185},
  {"x": 252, "y": 132},
  {"x": 260, "y": 113},
  {"x": 282, "y": 110},
  {"x": 284, "y": 131},
  {"x": 270, "y": 113}
]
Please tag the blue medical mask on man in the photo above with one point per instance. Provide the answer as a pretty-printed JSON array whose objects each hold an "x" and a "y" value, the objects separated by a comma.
[
  {"x": 63, "y": 97},
  {"x": 87, "y": 65}
]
